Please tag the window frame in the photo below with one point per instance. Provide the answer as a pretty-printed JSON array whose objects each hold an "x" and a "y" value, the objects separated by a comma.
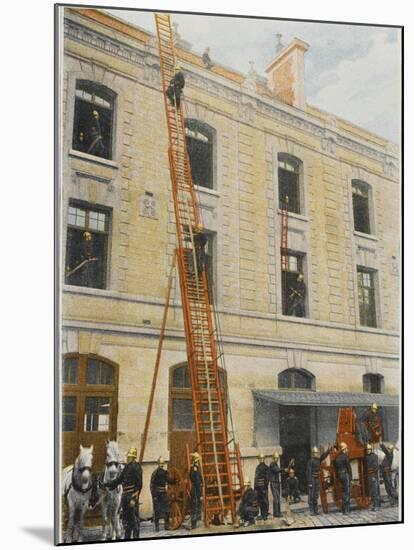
[
  {"x": 107, "y": 232},
  {"x": 301, "y": 268},
  {"x": 374, "y": 291},
  {"x": 196, "y": 125},
  {"x": 367, "y": 381},
  {"x": 292, "y": 372},
  {"x": 364, "y": 186},
  {"x": 111, "y": 97},
  {"x": 297, "y": 163}
]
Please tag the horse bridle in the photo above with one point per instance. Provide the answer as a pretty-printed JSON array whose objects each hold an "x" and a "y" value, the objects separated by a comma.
[{"x": 112, "y": 463}]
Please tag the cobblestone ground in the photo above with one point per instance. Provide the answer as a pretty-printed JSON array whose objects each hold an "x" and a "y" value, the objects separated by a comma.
[{"x": 299, "y": 514}]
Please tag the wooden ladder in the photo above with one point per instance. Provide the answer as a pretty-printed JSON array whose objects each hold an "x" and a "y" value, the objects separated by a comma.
[{"x": 220, "y": 456}]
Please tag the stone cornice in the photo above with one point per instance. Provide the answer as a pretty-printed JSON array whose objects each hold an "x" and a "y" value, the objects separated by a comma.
[{"x": 249, "y": 102}]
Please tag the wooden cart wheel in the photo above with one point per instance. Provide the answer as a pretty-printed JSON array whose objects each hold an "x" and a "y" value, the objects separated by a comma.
[{"x": 178, "y": 497}]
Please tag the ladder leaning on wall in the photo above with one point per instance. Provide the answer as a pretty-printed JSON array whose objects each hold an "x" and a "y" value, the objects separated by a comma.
[{"x": 220, "y": 455}]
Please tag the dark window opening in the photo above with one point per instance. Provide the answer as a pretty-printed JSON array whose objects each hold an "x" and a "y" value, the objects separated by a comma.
[
  {"x": 87, "y": 245},
  {"x": 69, "y": 414},
  {"x": 373, "y": 383},
  {"x": 97, "y": 414},
  {"x": 296, "y": 379},
  {"x": 200, "y": 151},
  {"x": 360, "y": 203},
  {"x": 70, "y": 370},
  {"x": 93, "y": 120},
  {"x": 366, "y": 297},
  {"x": 99, "y": 372},
  {"x": 181, "y": 377},
  {"x": 289, "y": 183},
  {"x": 183, "y": 418},
  {"x": 293, "y": 287}
]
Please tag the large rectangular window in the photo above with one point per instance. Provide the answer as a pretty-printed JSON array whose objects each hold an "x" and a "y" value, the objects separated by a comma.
[
  {"x": 87, "y": 245},
  {"x": 361, "y": 206},
  {"x": 366, "y": 297},
  {"x": 293, "y": 286},
  {"x": 199, "y": 139},
  {"x": 289, "y": 183}
]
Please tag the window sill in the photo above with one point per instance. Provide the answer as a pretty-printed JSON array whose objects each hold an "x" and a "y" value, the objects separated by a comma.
[
  {"x": 206, "y": 190},
  {"x": 365, "y": 236},
  {"x": 92, "y": 158},
  {"x": 299, "y": 217}
]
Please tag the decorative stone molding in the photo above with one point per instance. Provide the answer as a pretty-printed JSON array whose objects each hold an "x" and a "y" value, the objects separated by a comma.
[{"x": 148, "y": 207}]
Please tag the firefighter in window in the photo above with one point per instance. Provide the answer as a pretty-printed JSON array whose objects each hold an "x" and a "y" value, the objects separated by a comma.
[
  {"x": 87, "y": 260},
  {"x": 96, "y": 143},
  {"x": 296, "y": 297}
]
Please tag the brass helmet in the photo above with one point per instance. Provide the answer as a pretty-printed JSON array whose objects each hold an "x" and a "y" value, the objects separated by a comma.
[
  {"x": 391, "y": 447},
  {"x": 199, "y": 228},
  {"x": 276, "y": 455},
  {"x": 132, "y": 453},
  {"x": 195, "y": 457},
  {"x": 300, "y": 277},
  {"x": 161, "y": 461},
  {"x": 247, "y": 482},
  {"x": 177, "y": 67},
  {"x": 374, "y": 407},
  {"x": 95, "y": 114},
  {"x": 368, "y": 448},
  {"x": 315, "y": 451},
  {"x": 261, "y": 457},
  {"x": 87, "y": 236},
  {"x": 291, "y": 472},
  {"x": 343, "y": 446}
]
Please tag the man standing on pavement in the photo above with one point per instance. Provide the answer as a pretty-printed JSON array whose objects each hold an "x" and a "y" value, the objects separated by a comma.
[
  {"x": 371, "y": 461},
  {"x": 261, "y": 486},
  {"x": 312, "y": 475},
  {"x": 131, "y": 480},
  {"x": 386, "y": 466},
  {"x": 275, "y": 484},
  {"x": 159, "y": 481},
  {"x": 344, "y": 473},
  {"x": 196, "y": 488}
]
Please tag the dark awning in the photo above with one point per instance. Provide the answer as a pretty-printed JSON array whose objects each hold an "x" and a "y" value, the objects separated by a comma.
[{"x": 326, "y": 399}]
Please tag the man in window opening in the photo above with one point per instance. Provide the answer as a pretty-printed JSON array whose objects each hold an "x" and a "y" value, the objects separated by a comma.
[
  {"x": 176, "y": 87},
  {"x": 96, "y": 146},
  {"x": 296, "y": 298},
  {"x": 86, "y": 259}
]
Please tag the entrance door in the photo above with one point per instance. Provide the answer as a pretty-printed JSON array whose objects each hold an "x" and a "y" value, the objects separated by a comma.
[
  {"x": 295, "y": 439},
  {"x": 89, "y": 406},
  {"x": 180, "y": 414}
]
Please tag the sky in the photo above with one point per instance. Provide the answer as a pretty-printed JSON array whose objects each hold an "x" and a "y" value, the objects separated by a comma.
[{"x": 352, "y": 71}]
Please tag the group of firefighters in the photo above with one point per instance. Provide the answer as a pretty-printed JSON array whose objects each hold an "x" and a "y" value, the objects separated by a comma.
[{"x": 254, "y": 503}]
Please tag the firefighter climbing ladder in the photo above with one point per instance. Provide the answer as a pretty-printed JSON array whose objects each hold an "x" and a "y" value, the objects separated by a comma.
[{"x": 220, "y": 456}]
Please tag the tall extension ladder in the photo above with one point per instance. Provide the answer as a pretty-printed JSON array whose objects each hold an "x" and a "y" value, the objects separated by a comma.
[
  {"x": 220, "y": 456},
  {"x": 284, "y": 255}
]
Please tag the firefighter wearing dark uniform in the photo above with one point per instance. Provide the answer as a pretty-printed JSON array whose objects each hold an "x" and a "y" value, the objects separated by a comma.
[
  {"x": 158, "y": 485},
  {"x": 344, "y": 473},
  {"x": 386, "y": 466},
  {"x": 371, "y": 462},
  {"x": 96, "y": 146},
  {"x": 248, "y": 508},
  {"x": 275, "y": 484},
  {"x": 175, "y": 87},
  {"x": 131, "y": 480},
  {"x": 196, "y": 489},
  {"x": 200, "y": 242},
  {"x": 292, "y": 485},
  {"x": 371, "y": 425},
  {"x": 312, "y": 476},
  {"x": 296, "y": 298},
  {"x": 261, "y": 486}
]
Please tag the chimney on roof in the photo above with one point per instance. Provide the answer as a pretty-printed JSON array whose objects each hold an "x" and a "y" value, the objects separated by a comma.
[{"x": 287, "y": 72}]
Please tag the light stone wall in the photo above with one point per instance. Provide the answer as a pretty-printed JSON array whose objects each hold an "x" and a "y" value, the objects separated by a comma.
[{"x": 243, "y": 211}]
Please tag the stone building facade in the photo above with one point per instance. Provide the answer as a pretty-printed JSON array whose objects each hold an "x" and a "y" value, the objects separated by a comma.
[{"x": 286, "y": 375}]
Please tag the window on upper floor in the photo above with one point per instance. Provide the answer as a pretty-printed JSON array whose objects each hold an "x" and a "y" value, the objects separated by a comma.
[
  {"x": 289, "y": 175},
  {"x": 293, "y": 286},
  {"x": 87, "y": 245},
  {"x": 93, "y": 119},
  {"x": 200, "y": 141},
  {"x": 373, "y": 383},
  {"x": 361, "y": 199},
  {"x": 366, "y": 296},
  {"x": 296, "y": 379}
]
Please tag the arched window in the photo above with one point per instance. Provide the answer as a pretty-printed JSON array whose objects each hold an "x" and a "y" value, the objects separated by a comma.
[
  {"x": 93, "y": 119},
  {"x": 373, "y": 383},
  {"x": 200, "y": 141},
  {"x": 361, "y": 203},
  {"x": 289, "y": 176},
  {"x": 296, "y": 379},
  {"x": 89, "y": 404}
]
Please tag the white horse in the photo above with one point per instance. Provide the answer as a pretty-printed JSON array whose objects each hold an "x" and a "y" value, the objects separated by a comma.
[
  {"x": 77, "y": 488},
  {"x": 110, "y": 499},
  {"x": 395, "y": 467}
]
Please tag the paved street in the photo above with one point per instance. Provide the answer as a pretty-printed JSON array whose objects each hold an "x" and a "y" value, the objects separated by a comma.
[{"x": 299, "y": 513}]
